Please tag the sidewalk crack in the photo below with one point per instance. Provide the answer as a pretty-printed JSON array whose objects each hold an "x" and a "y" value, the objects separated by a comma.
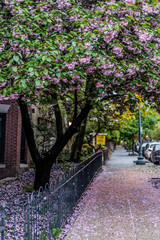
[{"x": 132, "y": 218}]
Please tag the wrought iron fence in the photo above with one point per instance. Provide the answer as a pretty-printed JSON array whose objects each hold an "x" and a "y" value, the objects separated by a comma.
[
  {"x": 105, "y": 155},
  {"x": 47, "y": 211}
]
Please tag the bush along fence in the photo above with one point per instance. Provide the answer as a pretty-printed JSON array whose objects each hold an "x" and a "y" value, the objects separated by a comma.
[{"x": 47, "y": 210}]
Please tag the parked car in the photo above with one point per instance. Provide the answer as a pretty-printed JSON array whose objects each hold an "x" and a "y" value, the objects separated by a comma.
[
  {"x": 144, "y": 148},
  {"x": 136, "y": 146},
  {"x": 155, "y": 154},
  {"x": 149, "y": 148}
]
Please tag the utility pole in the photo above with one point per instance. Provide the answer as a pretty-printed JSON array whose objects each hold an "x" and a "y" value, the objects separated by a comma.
[{"x": 140, "y": 160}]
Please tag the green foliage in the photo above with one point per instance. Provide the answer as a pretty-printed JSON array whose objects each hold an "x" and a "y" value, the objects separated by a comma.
[
  {"x": 28, "y": 188},
  {"x": 87, "y": 151},
  {"x": 44, "y": 134},
  {"x": 155, "y": 134},
  {"x": 131, "y": 128},
  {"x": 64, "y": 156},
  {"x": 67, "y": 166},
  {"x": 41, "y": 40},
  {"x": 115, "y": 135},
  {"x": 56, "y": 232}
]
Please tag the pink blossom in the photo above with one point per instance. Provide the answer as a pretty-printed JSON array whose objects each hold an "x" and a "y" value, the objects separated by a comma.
[
  {"x": 91, "y": 69},
  {"x": 1, "y": 97},
  {"x": 106, "y": 73},
  {"x": 131, "y": 71},
  {"x": 45, "y": 77},
  {"x": 71, "y": 65},
  {"x": 118, "y": 74},
  {"x": 58, "y": 27},
  {"x": 99, "y": 85},
  {"x": 85, "y": 60},
  {"x": 32, "y": 106},
  {"x": 102, "y": 94},
  {"x": 144, "y": 36},
  {"x": 81, "y": 80},
  {"x": 3, "y": 84},
  {"x": 147, "y": 9},
  {"x": 129, "y": 1},
  {"x": 14, "y": 96},
  {"x": 124, "y": 23},
  {"x": 61, "y": 47},
  {"x": 118, "y": 51},
  {"x": 40, "y": 86},
  {"x": 108, "y": 65},
  {"x": 64, "y": 80},
  {"x": 88, "y": 45},
  {"x": 110, "y": 36},
  {"x": 77, "y": 88},
  {"x": 55, "y": 80},
  {"x": 38, "y": 92}
]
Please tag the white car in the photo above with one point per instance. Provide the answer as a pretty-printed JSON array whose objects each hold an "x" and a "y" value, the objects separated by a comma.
[{"x": 149, "y": 148}]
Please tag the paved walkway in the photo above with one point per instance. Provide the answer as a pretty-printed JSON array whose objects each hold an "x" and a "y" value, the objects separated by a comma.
[{"x": 122, "y": 203}]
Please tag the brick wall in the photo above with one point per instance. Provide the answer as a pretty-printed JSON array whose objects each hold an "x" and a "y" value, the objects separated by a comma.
[{"x": 11, "y": 166}]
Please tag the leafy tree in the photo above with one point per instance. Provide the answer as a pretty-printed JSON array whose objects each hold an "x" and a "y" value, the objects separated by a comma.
[
  {"x": 155, "y": 134},
  {"x": 103, "y": 119},
  {"x": 148, "y": 122},
  {"x": 53, "y": 49}
]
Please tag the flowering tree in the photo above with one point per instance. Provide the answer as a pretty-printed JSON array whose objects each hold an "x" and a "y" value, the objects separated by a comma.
[{"x": 54, "y": 48}]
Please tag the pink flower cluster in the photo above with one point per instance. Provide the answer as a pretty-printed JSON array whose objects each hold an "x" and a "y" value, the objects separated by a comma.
[
  {"x": 71, "y": 65},
  {"x": 85, "y": 60},
  {"x": 91, "y": 69},
  {"x": 147, "y": 9},
  {"x": 111, "y": 35},
  {"x": 117, "y": 50},
  {"x": 129, "y": 1},
  {"x": 99, "y": 85},
  {"x": 13, "y": 96},
  {"x": 144, "y": 36}
]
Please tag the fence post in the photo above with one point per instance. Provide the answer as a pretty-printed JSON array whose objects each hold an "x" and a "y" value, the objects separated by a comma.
[
  {"x": 101, "y": 159},
  {"x": 28, "y": 219},
  {"x": 74, "y": 192},
  {"x": 3, "y": 225},
  {"x": 59, "y": 208}
]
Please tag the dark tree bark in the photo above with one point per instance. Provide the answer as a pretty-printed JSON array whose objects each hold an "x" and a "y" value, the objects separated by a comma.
[
  {"x": 29, "y": 133},
  {"x": 43, "y": 163},
  {"x": 78, "y": 143}
]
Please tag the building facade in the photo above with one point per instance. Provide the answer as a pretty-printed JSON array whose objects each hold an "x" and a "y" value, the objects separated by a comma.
[{"x": 14, "y": 153}]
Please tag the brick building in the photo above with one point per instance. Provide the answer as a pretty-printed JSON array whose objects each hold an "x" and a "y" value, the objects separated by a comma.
[{"x": 14, "y": 153}]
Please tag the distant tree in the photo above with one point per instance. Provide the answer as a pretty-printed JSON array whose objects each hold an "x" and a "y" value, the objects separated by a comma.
[
  {"x": 148, "y": 122},
  {"x": 155, "y": 134}
]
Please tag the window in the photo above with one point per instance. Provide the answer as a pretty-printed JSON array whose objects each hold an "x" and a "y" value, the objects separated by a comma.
[
  {"x": 157, "y": 147},
  {"x": 2, "y": 136}
]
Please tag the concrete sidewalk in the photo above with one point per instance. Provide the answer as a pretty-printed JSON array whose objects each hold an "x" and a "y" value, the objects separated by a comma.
[{"x": 122, "y": 205}]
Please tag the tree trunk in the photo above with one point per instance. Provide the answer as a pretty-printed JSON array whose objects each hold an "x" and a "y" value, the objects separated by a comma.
[
  {"x": 78, "y": 143},
  {"x": 44, "y": 163},
  {"x": 42, "y": 174}
]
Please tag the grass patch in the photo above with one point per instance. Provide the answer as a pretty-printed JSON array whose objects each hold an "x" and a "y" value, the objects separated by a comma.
[{"x": 28, "y": 188}]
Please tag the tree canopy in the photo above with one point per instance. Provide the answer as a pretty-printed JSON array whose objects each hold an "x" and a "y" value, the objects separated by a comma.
[
  {"x": 57, "y": 46},
  {"x": 149, "y": 119}
]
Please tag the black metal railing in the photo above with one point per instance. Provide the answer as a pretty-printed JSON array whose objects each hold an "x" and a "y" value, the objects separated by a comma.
[
  {"x": 47, "y": 211},
  {"x": 105, "y": 155}
]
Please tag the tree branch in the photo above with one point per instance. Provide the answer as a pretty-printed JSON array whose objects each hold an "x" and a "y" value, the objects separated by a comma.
[
  {"x": 71, "y": 130},
  {"x": 57, "y": 111},
  {"x": 29, "y": 133},
  {"x": 75, "y": 105}
]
